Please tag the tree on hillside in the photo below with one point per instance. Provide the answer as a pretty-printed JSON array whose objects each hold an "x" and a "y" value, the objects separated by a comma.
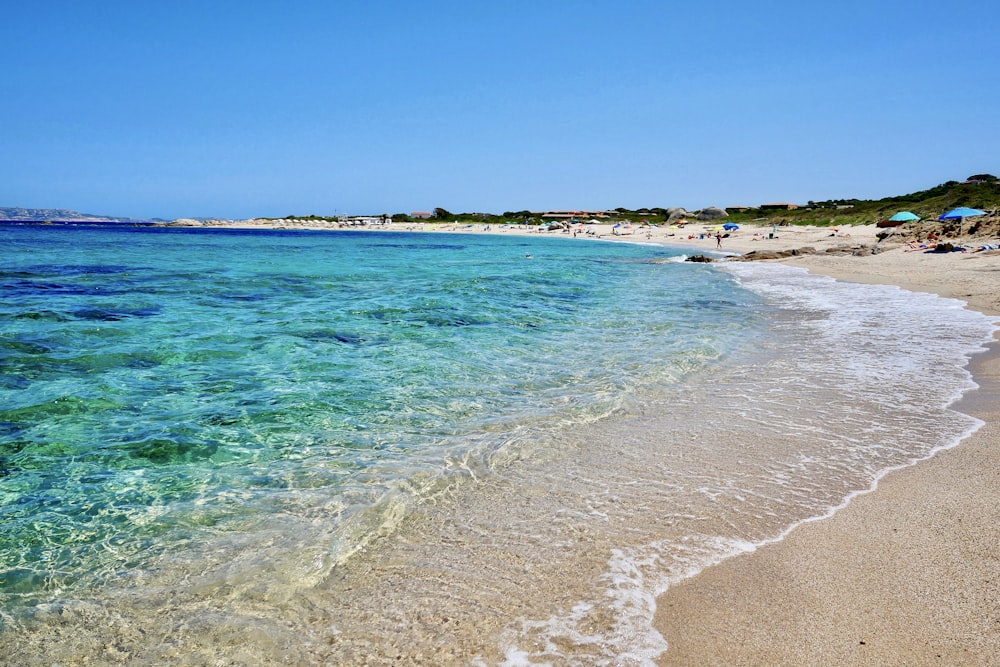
[{"x": 441, "y": 214}]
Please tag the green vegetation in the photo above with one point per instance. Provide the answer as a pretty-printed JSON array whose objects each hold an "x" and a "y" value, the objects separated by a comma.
[
  {"x": 442, "y": 216},
  {"x": 981, "y": 191}
]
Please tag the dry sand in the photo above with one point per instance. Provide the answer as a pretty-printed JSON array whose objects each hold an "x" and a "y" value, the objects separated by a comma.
[{"x": 906, "y": 575}]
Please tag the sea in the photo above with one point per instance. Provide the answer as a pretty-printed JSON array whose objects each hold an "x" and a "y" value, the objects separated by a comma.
[{"x": 224, "y": 446}]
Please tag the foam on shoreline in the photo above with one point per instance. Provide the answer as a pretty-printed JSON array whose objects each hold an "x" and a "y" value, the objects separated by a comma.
[
  {"x": 849, "y": 566},
  {"x": 637, "y": 575}
]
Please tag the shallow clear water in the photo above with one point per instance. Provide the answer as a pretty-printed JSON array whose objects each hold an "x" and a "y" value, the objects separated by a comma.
[
  {"x": 348, "y": 447},
  {"x": 160, "y": 384}
]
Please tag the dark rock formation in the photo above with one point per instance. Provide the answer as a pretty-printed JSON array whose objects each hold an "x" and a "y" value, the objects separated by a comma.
[
  {"x": 676, "y": 213},
  {"x": 755, "y": 255},
  {"x": 858, "y": 250},
  {"x": 711, "y": 213}
]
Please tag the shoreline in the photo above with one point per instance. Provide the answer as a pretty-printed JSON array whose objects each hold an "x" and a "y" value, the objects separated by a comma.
[{"x": 904, "y": 573}]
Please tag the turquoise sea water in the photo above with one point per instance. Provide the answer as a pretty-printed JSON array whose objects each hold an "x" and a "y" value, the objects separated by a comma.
[
  {"x": 159, "y": 384},
  {"x": 411, "y": 448}
]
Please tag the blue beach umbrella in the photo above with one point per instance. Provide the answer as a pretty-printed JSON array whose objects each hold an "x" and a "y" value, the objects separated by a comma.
[
  {"x": 960, "y": 214},
  {"x": 729, "y": 226},
  {"x": 904, "y": 216}
]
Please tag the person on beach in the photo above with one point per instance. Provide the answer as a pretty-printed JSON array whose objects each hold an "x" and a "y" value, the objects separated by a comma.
[{"x": 718, "y": 239}]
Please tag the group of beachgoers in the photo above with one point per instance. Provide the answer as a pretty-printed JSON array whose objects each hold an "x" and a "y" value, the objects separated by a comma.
[{"x": 933, "y": 243}]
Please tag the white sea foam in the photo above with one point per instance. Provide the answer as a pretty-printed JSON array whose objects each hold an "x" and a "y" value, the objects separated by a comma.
[{"x": 888, "y": 362}]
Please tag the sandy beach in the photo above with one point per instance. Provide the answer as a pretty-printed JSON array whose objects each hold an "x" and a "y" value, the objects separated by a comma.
[{"x": 906, "y": 575}]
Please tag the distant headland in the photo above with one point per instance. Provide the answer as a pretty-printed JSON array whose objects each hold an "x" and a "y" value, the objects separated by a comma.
[{"x": 16, "y": 214}]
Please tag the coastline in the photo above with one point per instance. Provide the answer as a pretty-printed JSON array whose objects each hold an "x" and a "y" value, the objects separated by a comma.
[{"x": 904, "y": 574}]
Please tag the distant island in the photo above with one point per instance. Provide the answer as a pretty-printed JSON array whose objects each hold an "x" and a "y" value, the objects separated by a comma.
[{"x": 12, "y": 214}]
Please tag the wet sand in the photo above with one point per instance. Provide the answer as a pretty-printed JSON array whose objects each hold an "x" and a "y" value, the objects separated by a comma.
[{"x": 906, "y": 575}]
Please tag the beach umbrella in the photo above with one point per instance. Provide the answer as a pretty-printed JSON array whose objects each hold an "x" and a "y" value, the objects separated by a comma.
[
  {"x": 904, "y": 216},
  {"x": 960, "y": 214},
  {"x": 729, "y": 226}
]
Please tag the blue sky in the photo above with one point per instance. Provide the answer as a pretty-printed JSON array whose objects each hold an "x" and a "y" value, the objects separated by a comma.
[{"x": 235, "y": 109}]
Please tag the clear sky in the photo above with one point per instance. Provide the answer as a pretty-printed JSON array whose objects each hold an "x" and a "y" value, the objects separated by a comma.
[{"x": 236, "y": 109}]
